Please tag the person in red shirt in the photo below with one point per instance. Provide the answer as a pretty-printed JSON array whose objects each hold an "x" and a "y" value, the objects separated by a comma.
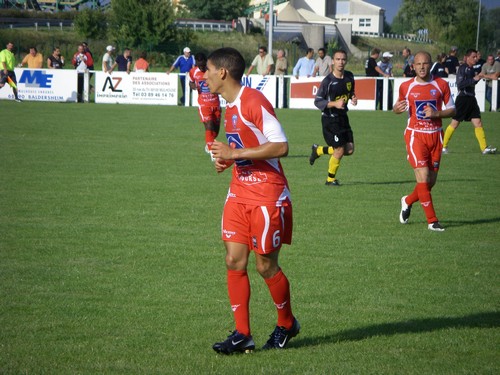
[
  {"x": 209, "y": 104},
  {"x": 424, "y": 97},
  {"x": 257, "y": 215},
  {"x": 82, "y": 61}
]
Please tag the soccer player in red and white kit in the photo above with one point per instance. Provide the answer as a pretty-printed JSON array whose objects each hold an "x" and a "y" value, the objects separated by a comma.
[
  {"x": 208, "y": 103},
  {"x": 424, "y": 98},
  {"x": 257, "y": 214}
]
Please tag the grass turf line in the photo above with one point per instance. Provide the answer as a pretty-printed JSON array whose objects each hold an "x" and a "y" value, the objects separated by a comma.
[{"x": 111, "y": 261}]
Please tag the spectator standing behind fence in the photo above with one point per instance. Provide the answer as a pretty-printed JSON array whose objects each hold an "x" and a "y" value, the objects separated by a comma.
[
  {"x": 7, "y": 74},
  {"x": 82, "y": 61},
  {"x": 34, "y": 59},
  {"x": 141, "y": 65},
  {"x": 323, "y": 65},
  {"x": 386, "y": 66},
  {"x": 184, "y": 62},
  {"x": 305, "y": 65},
  {"x": 490, "y": 71},
  {"x": 86, "y": 49},
  {"x": 108, "y": 63},
  {"x": 480, "y": 62},
  {"x": 263, "y": 62},
  {"x": 438, "y": 68},
  {"x": 373, "y": 70},
  {"x": 124, "y": 61},
  {"x": 55, "y": 61},
  {"x": 408, "y": 70},
  {"x": 451, "y": 63},
  {"x": 281, "y": 67}
]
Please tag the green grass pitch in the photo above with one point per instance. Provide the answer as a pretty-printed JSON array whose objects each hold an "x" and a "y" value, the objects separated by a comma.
[{"x": 111, "y": 260}]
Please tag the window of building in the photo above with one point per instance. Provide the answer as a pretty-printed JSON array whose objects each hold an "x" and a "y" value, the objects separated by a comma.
[{"x": 365, "y": 22}]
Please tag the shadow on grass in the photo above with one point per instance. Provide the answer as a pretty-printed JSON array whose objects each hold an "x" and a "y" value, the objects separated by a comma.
[
  {"x": 479, "y": 320},
  {"x": 459, "y": 223}
]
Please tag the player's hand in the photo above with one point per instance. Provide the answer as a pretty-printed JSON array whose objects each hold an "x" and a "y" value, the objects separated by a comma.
[
  {"x": 430, "y": 112},
  {"x": 221, "y": 165},
  {"x": 400, "y": 106},
  {"x": 354, "y": 99},
  {"x": 340, "y": 104},
  {"x": 221, "y": 151}
]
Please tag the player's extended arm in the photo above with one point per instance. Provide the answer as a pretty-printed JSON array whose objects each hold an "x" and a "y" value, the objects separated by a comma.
[
  {"x": 431, "y": 113},
  {"x": 269, "y": 150}
]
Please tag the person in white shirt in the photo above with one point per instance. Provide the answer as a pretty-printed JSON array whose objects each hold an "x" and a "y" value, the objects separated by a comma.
[
  {"x": 323, "y": 65},
  {"x": 108, "y": 63},
  {"x": 305, "y": 65}
]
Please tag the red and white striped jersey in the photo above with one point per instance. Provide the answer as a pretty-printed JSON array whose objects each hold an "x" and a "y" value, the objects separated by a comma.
[
  {"x": 205, "y": 97},
  {"x": 435, "y": 93},
  {"x": 249, "y": 122}
]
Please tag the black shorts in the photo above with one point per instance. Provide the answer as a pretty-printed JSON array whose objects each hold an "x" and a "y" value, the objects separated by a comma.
[
  {"x": 337, "y": 131},
  {"x": 10, "y": 73},
  {"x": 466, "y": 108}
]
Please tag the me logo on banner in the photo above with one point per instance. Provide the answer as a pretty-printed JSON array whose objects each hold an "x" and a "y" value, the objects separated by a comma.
[
  {"x": 109, "y": 82},
  {"x": 247, "y": 81},
  {"x": 36, "y": 78}
]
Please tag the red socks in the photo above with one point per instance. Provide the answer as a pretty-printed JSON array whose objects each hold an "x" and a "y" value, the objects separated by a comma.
[
  {"x": 238, "y": 287},
  {"x": 280, "y": 292},
  {"x": 422, "y": 193},
  {"x": 210, "y": 137}
]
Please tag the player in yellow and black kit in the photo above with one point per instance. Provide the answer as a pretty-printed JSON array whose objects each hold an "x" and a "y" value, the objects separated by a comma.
[{"x": 332, "y": 97}]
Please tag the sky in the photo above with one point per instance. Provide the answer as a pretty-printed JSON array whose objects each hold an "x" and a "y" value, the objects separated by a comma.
[{"x": 392, "y": 6}]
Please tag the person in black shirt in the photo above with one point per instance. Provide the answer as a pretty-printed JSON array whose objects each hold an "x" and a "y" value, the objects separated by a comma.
[
  {"x": 408, "y": 70},
  {"x": 438, "y": 68},
  {"x": 333, "y": 94},
  {"x": 466, "y": 104},
  {"x": 124, "y": 61},
  {"x": 373, "y": 70},
  {"x": 55, "y": 61},
  {"x": 451, "y": 63},
  {"x": 480, "y": 62}
]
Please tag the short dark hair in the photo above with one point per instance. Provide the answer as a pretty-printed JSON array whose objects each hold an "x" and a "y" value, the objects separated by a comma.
[
  {"x": 469, "y": 51},
  {"x": 322, "y": 49},
  {"x": 263, "y": 48},
  {"x": 310, "y": 50},
  {"x": 200, "y": 57},
  {"x": 339, "y": 51},
  {"x": 229, "y": 59}
]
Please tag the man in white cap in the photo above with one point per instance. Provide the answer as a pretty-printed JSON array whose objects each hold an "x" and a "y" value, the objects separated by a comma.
[
  {"x": 108, "y": 63},
  {"x": 184, "y": 62},
  {"x": 386, "y": 66}
]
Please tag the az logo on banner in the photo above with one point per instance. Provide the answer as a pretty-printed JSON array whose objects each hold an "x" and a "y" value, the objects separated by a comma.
[
  {"x": 108, "y": 82},
  {"x": 36, "y": 78}
]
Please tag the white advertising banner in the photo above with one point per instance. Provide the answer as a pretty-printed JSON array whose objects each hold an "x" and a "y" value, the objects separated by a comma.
[
  {"x": 303, "y": 91},
  {"x": 265, "y": 84},
  {"x": 136, "y": 88},
  {"x": 44, "y": 85},
  {"x": 480, "y": 90}
]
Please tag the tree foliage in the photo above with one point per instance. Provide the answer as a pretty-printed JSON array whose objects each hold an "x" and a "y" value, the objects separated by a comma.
[
  {"x": 451, "y": 22},
  {"x": 217, "y": 9},
  {"x": 91, "y": 24},
  {"x": 143, "y": 23}
]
